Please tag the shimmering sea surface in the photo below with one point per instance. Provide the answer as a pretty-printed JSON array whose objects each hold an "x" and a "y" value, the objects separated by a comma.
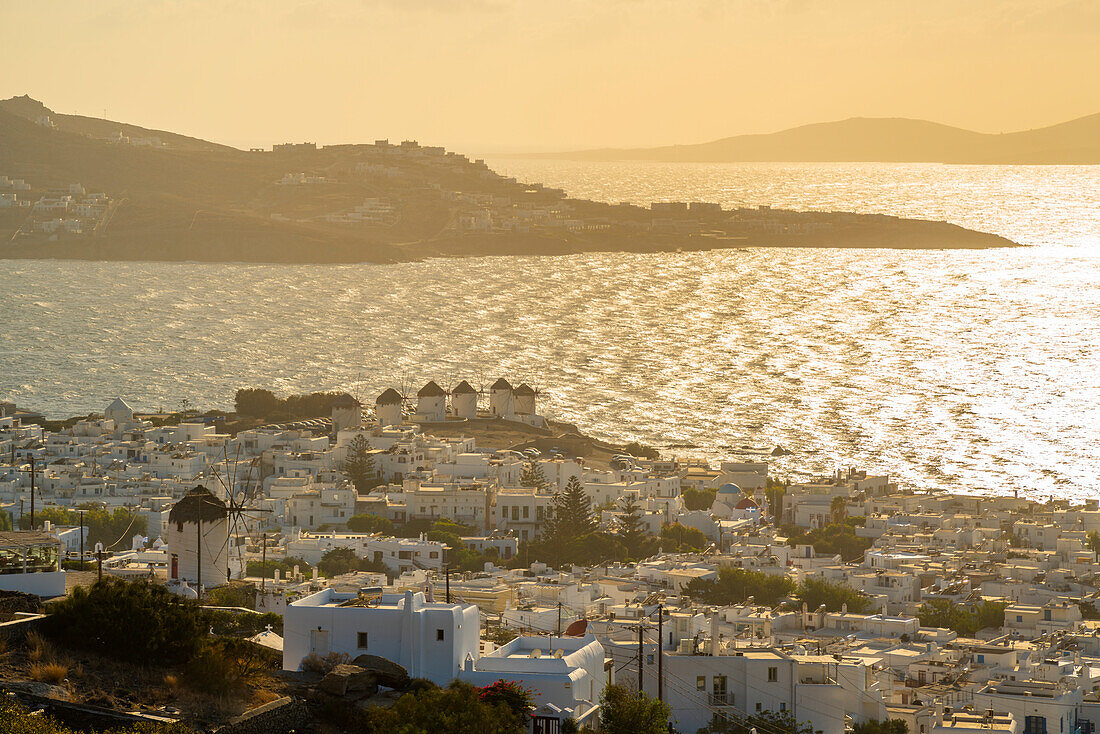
[{"x": 968, "y": 371}]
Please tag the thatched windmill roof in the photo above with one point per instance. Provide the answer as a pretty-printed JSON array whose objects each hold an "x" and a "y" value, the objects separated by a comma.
[{"x": 198, "y": 505}]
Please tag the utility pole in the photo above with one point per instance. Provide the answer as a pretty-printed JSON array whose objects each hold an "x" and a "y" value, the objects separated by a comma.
[
  {"x": 263, "y": 564},
  {"x": 82, "y": 540},
  {"x": 660, "y": 653},
  {"x": 32, "y": 491},
  {"x": 198, "y": 567},
  {"x": 447, "y": 577},
  {"x": 641, "y": 658},
  {"x": 559, "y": 619}
]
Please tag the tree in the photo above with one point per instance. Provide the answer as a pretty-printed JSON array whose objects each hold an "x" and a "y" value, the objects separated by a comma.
[
  {"x": 571, "y": 514},
  {"x": 5, "y": 521},
  {"x": 1093, "y": 540},
  {"x": 338, "y": 561},
  {"x": 367, "y": 523},
  {"x": 815, "y": 592},
  {"x": 630, "y": 530},
  {"x": 765, "y": 721},
  {"x": 835, "y": 538},
  {"x": 113, "y": 529},
  {"x": 964, "y": 621},
  {"x": 626, "y": 711},
  {"x": 773, "y": 493},
  {"x": 285, "y": 567},
  {"x": 735, "y": 585},
  {"x": 359, "y": 465},
  {"x": 534, "y": 476},
  {"x": 256, "y": 402},
  {"x": 132, "y": 620},
  {"x": 698, "y": 499},
  {"x": 838, "y": 509},
  {"x": 881, "y": 726},
  {"x": 646, "y": 452},
  {"x": 457, "y": 709},
  {"x": 680, "y": 538},
  {"x": 515, "y": 697}
]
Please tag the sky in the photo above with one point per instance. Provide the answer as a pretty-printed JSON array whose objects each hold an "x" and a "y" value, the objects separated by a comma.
[{"x": 494, "y": 76}]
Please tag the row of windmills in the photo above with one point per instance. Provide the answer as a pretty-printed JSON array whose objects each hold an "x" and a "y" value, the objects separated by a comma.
[{"x": 390, "y": 408}]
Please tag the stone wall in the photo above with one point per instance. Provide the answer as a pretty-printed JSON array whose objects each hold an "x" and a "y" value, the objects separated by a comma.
[
  {"x": 280, "y": 716},
  {"x": 17, "y": 629}
]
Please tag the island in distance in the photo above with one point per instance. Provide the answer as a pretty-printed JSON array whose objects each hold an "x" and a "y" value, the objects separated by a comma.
[
  {"x": 87, "y": 188},
  {"x": 882, "y": 140}
]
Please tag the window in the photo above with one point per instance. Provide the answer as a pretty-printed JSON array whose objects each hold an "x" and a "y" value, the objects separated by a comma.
[
  {"x": 719, "y": 690},
  {"x": 649, "y": 659},
  {"x": 362, "y": 641},
  {"x": 527, "y": 514},
  {"x": 757, "y": 705},
  {"x": 773, "y": 675},
  {"x": 701, "y": 682},
  {"x": 1035, "y": 725},
  {"x": 981, "y": 658},
  {"x": 439, "y": 635},
  {"x": 434, "y": 554},
  {"x": 1019, "y": 618},
  {"x": 782, "y": 706}
]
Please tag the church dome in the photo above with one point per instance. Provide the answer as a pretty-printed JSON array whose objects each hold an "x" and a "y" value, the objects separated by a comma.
[{"x": 729, "y": 488}]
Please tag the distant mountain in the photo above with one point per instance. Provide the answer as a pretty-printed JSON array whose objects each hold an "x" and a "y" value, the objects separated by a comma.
[
  {"x": 95, "y": 127},
  {"x": 80, "y": 187},
  {"x": 881, "y": 140}
]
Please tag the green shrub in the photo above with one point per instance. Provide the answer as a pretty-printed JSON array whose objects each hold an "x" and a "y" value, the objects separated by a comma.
[{"x": 130, "y": 620}]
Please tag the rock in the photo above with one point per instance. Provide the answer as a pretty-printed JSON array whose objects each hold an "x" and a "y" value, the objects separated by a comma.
[
  {"x": 334, "y": 684},
  {"x": 386, "y": 672},
  {"x": 349, "y": 680}
]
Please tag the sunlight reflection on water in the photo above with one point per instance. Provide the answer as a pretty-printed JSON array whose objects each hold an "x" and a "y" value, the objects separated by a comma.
[{"x": 962, "y": 370}]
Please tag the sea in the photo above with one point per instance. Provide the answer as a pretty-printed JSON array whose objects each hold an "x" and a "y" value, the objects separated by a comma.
[{"x": 967, "y": 371}]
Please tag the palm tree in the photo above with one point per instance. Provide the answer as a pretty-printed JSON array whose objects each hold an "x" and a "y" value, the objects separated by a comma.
[{"x": 838, "y": 508}]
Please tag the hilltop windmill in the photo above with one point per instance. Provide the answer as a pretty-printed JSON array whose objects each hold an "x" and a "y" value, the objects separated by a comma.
[{"x": 241, "y": 506}]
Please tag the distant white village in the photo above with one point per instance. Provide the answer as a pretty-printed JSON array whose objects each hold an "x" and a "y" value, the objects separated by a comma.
[
  {"x": 54, "y": 212},
  {"x": 840, "y": 600}
]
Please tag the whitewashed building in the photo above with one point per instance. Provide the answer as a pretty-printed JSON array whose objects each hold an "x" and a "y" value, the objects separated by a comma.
[{"x": 429, "y": 639}]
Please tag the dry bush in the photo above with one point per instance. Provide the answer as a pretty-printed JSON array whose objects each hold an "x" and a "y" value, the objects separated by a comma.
[
  {"x": 49, "y": 672},
  {"x": 38, "y": 649},
  {"x": 172, "y": 683},
  {"x": 314, "y": 663},
  {"x": 212, "y": 673}
]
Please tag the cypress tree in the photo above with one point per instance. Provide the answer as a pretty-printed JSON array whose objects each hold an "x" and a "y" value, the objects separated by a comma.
[
  {"x": 533, "y": 476},
  {"x": 572, "y": 514},
  {"x": 359, "y": 465},
  {"x": 630, "y": 529}
]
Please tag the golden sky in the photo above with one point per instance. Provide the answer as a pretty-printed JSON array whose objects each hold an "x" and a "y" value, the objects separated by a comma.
[{"x": 489, "y": 75}]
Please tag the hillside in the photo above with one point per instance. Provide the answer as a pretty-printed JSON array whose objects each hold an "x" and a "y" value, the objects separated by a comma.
[
  {"x": 73, "y": 187},
  {"x": 882, "y": 140}
]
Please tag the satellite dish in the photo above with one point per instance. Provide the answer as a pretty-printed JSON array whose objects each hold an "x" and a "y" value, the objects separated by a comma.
[
  {"x": 559, "y": 653},
  {"x": 99, "y": 547},
  {"x": 576, "y": 629},
  {"x": 536, "y": 653}
]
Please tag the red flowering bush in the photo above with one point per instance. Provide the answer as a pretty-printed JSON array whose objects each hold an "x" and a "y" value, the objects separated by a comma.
[{"x": 516, "y": 697}]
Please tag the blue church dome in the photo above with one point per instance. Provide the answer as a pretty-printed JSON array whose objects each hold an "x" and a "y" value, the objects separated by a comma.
[{"x": 729, "y": 489}]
